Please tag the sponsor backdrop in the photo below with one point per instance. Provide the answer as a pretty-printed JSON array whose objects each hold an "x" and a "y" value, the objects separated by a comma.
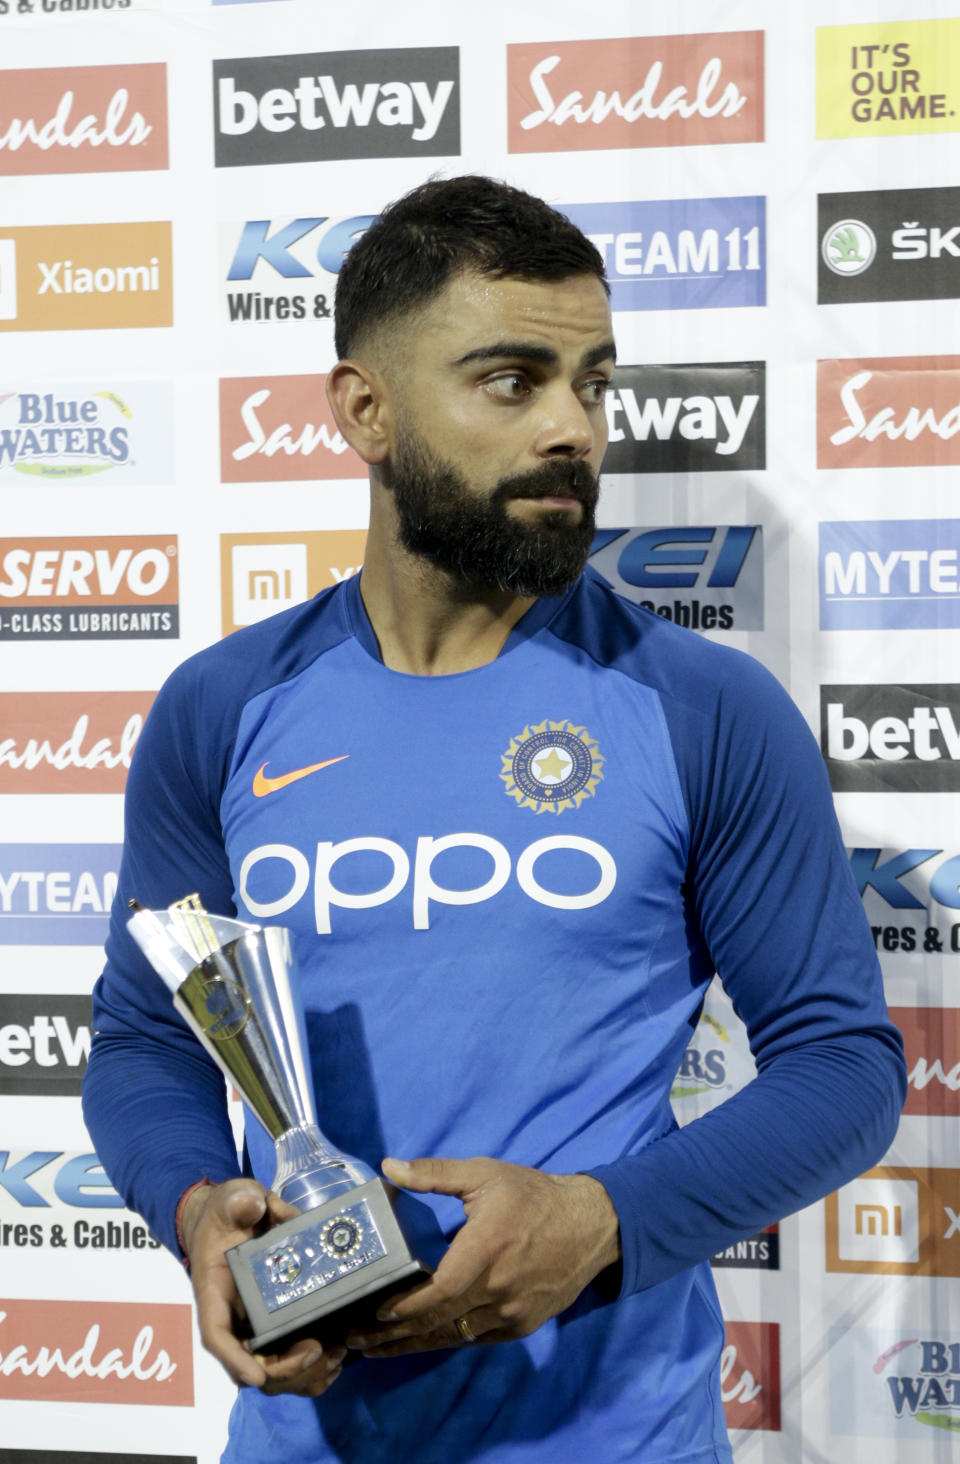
[{"x": 776, "y": 203}]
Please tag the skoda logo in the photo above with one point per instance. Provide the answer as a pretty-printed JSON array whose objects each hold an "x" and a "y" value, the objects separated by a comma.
[{"x": 849, "y": 247}]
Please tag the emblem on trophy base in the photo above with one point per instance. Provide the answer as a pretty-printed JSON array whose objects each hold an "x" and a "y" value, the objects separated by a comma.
[{"x": 331, "y": 1266}]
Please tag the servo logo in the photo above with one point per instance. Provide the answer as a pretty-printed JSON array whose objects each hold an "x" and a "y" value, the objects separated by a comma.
[
  {"x": 760, "y": 1252},
  {"x": 552, "y": 766},
  {"x": 89, "y": 589},
  {"x": 891, "y": 738},
  {"x": 889, "y": 244},
  {"x": 337, "y": 104}
]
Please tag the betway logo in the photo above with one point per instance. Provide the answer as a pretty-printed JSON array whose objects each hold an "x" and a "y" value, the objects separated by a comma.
[
  {"x": 686, "y": 418},
  {"x": 426, "y": 888},
  {"x": 341, "y": 104},
  {"x": 392, "y": 104},
  {"x": 905, "y": 738},
  {"x": 712, "y": 418},
  {"x": 44, "y": 1043}
]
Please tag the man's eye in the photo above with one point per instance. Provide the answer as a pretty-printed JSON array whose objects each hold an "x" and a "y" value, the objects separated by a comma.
[
  {"x": 594, "y": 391},
  {"x": 511, "y": 386}
]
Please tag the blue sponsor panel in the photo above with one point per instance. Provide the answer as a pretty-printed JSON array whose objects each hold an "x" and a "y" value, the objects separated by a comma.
[
  {"x": 703, "y": 576},
  {"x": 680, "y": 253},
  {"x": 890, "y": 574},
  {"x": 56, "y": 894}
]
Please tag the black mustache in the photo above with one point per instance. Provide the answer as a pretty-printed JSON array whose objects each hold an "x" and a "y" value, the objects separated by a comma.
[{"x": 558, "y": 479}]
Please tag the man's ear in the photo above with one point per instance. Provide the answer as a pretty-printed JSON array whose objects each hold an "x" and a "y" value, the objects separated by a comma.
[{"x": 359, "y": 400}]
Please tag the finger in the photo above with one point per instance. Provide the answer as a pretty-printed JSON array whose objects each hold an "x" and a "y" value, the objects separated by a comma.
[
  {"x": 439, "y": 1176},
  {"x": 485, "y": 1324},
  {"x": 215, "y": 1323},
  {"x": 306, "y": 1369},
  {"x": 456, "y": 1281}
]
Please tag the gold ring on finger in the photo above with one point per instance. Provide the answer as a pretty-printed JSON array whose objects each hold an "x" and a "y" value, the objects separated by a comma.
[{"x": 463, "y": 1327}]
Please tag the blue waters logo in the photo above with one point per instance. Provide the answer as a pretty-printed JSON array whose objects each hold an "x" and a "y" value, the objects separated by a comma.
[
  {"x": 679, "y": 253},
  {"x": 890, "y": 574},
  {"x": 56, "y": 894}
]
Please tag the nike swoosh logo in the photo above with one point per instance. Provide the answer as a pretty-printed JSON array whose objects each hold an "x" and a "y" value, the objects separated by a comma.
[{"x": 263, "y": 785}]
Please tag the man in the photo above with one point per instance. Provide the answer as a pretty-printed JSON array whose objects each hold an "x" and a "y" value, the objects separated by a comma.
[{"x": 371, "y": 770}]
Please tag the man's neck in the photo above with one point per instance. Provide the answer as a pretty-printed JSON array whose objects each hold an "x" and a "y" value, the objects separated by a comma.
[{"x": 428, "y": 625}]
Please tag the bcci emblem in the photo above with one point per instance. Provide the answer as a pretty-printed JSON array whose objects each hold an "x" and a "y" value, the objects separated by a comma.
[{"x": 552, "y": 766}]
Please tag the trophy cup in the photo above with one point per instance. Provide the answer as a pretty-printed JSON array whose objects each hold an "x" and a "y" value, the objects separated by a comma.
[{"x": 331, "y": 1266}]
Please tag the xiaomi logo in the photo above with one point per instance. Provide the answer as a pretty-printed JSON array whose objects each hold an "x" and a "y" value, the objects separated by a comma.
[
  {"x": 262, "y": 574},
  {"x": 896, "y": 1221},
  {"x": 86, "y": 277}
]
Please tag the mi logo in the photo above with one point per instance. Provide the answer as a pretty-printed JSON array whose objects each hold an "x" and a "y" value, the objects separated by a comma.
[
  {"x": 877, "y": 1220},
  {"x": 8, "y": 279},
  {"x": 267, "y": 578},
  {"x": 264, "y": 573}
]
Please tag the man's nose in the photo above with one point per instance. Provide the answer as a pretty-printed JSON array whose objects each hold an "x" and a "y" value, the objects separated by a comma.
[{"x": 566, "y": 428}]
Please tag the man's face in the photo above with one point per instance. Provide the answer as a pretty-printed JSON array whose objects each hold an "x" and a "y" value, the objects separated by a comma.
[{"x": 501, "y": 429}]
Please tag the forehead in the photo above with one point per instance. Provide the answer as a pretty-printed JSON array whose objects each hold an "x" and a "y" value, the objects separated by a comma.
[{"x": 474, "y": 311}]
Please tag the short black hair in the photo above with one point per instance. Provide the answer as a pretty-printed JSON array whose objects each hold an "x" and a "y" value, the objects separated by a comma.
[{"x": 441, "y": 228}]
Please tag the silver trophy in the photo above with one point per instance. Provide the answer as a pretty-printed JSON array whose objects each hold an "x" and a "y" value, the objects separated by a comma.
[{"x": 331, "y": 1266}]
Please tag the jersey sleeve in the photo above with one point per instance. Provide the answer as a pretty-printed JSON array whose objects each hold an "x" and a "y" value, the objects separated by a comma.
[
  {"x": 774, "y": 901},
  {"x": 154, "y": 1103}
]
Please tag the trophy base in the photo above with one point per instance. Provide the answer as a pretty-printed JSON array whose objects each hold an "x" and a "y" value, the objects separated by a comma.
[{"x": 325, "y": 1271}]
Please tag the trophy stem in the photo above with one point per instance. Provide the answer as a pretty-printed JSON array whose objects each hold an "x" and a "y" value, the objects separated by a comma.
[{"x": 310, "y": 1171}]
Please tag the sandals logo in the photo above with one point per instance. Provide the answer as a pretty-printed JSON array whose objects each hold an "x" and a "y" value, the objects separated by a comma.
[
  {"x": 552, "y": 766},
  {"x": 85, "y": 119},
  {"x": 638, "y": 91}
]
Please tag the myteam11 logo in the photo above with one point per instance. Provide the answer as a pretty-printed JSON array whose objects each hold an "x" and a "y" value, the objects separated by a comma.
[
  {"x": 679, "y": 253},
  {"x": 890, "y": 574}
]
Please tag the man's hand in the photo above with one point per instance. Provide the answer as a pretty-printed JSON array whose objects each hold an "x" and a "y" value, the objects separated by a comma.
[
  {"x": 215, "y": 1218},
  {"x": 531, "y": 1243}
]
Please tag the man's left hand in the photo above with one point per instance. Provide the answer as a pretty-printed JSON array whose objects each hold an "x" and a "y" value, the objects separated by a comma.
[{"x": 531, "y": 1243}]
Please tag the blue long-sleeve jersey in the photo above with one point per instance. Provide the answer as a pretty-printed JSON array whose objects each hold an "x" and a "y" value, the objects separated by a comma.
[{"x": 508, "y": 890}]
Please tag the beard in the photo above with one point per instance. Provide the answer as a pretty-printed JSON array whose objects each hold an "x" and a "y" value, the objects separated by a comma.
[{"x": 476, "y": 540}]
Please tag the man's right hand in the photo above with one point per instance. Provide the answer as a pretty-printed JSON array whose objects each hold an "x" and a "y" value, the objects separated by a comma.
[{"x": 215, "y": 1218}]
